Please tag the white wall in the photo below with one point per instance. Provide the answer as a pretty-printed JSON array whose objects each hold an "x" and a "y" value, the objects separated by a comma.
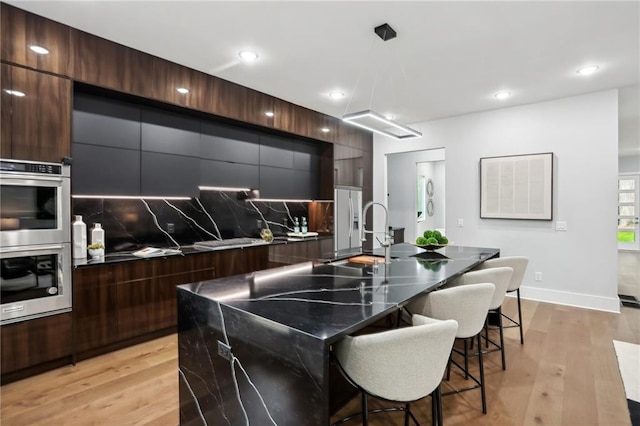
[
  {"x": 629, "y": 129},
  {"x": 579, "y": 266},
  {"x": 403, "y": 170}
]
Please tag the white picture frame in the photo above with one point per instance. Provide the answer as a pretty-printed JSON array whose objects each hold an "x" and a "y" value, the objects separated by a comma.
[{"x": 517, "y": 187}]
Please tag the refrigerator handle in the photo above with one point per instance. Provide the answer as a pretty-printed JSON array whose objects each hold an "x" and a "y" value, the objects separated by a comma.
[{"x": 350, "y": 217}]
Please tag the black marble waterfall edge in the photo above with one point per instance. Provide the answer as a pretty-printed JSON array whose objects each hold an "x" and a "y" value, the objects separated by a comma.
[{"x": 129, "y": 225}]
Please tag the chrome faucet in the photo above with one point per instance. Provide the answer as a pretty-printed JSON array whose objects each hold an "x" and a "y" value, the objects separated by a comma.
[{"x": 387, "y": 237}]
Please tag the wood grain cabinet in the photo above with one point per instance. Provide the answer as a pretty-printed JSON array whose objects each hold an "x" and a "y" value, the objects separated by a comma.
[
  {"x": 104, "y": 63},
  {"x": 20, "y": 30},
  {"x": 34, "y": 343},
  {"x": 116, "y": 304},
  {"x": 36, "y": 126}
]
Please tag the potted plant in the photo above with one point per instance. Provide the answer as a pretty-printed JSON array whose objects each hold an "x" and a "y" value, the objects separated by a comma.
[{"x": 96, "y": 250}]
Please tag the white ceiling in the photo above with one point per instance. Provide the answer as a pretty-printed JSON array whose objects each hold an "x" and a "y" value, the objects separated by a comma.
[{"x": 449, "y": 57}]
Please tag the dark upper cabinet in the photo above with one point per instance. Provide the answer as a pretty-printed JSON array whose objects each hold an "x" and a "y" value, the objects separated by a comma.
[
  {"x": 21, "y": 29},
  {"x": 225, "y": 143},
  {"x": 104, "y": 63},
  {"x": 6, "y": 124},
  {"x": 306, "y": 156},
  {"x": 169, "y": 174},
  {"x": 348, "y": 166},
  {"x": 101, "y": 121},
  {"x": 168, "y": 77},
  {"x": 103, "y": 170},
  {"x": 305, "y": 185},
  {"x": 170, "y": 133},
  {"x": 235, "y": 175},
  {"x": 276, "y": 152},
  {"x": 276, "y": 182},
  {"x": 36, "y": 126}
]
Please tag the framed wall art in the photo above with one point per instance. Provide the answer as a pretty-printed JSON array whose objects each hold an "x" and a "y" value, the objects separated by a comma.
[{"x": 517, "y": 187}]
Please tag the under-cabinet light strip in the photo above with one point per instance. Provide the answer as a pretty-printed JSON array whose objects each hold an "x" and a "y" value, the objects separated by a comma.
[
  {"x": 276, "y": 200},
  {"x": 222, "y": 188},
  {"x": 132, "y": 197}
]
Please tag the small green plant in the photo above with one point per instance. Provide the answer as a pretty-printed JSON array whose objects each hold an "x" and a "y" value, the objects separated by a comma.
[{"x": 95, "y": 246}]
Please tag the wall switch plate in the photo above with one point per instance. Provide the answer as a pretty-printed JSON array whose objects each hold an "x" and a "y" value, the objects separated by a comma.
[
  {"x": 538, "y": 276},
  {"x": 460, "y": 223},
  {"x": 561, "y": 226},
  {"x": 171, "y": 228},
  {"x": 224, "y": 351},
  {"x": 258, "y": 223}
]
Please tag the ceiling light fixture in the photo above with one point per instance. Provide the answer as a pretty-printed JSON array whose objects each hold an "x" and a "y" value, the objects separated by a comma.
[
  {"x": 588, "y": 70},
  {"x": 15, "y": 93},
  {"x": 269, "y": 113},
  {"x": 39, "y": 49},
  {"x": 390, "y": 117},
  {"x": 502, "y": 95},
  {"x": 371, "y": 120},
  {"x": 248, "y": 56},
  {"x": 336, "y": 95},
  {"x": 182, "y": 90}
]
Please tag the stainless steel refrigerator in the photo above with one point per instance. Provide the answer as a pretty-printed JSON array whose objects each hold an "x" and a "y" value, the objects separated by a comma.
[{"x": 347, "y": 216}]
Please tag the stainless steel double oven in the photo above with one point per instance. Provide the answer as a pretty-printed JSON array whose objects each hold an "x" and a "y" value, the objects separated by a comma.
[{"x": 35, "y": 240}]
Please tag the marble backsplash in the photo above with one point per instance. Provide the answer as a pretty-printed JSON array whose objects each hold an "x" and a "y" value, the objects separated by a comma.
[{"x": 133, "y": 223}]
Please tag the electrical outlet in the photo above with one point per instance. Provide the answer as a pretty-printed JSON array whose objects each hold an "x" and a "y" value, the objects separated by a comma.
[
  {"x": 561, "y": 226},
  {"x": 259, "y": 224},
  {"x": 538, "y": 276},
  {"x": 224, "y": 351},
  {"x": 460, "y": 223},
  {"x": 171, "y": 228}
]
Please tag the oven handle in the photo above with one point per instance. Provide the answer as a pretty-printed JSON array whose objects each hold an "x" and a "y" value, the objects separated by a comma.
[
  {"x": 44, "y": 178},
  {"x": 31, "y": 249}
]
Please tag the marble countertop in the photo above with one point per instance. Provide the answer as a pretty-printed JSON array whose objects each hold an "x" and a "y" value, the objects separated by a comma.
[
  {"x": 127, "y": 256},
  {"x": 330, "y": 300}
]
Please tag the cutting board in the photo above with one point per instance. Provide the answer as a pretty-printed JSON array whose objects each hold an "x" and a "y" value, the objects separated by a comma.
[{"x": 366, "y": 259}]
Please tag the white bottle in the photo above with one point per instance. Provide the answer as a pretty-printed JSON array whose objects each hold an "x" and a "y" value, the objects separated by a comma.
[
  {"x": 304, "y": 225},
  {"x": 79, "y": 230},
  {"x": 97, "y": 234}
]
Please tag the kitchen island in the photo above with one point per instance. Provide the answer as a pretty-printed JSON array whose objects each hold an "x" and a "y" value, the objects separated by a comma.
[{"x": 255, "y": 348}]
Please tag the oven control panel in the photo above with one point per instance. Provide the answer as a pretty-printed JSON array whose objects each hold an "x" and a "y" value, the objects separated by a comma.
[{"x": 30, "y": 167}]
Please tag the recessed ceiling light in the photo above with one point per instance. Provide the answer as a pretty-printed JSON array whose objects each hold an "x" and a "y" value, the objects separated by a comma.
[
  {"x": 15, "y": 93},
  {"x": 269, "y": 113},
  {"x": 39, "y": 49},
  {"x": 336, "y": 95},
  {"x": 248, "y": 55},
  {"x": 588, "y": 70},
  {"x": 182, "y": 90},
  {"x": 390, "y": 117},
  {"x": 325, "y": 130},
  {"x": 502, "y": 95}
]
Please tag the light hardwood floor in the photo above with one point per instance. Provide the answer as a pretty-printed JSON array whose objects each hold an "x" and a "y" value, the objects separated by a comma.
[{"x": 565, "y": 374}]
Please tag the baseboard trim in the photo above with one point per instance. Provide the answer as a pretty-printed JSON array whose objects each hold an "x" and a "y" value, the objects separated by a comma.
[{"x": 579, "y": 300}]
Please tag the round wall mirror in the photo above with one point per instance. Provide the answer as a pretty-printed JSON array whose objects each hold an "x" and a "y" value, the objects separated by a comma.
[
  {"x": 430, "y": 207},
  {"x": 430, "y": 188}
]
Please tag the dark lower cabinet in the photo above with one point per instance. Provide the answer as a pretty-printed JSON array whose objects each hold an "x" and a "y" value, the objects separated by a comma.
[
  {"x": 29, "y": 347},
  {"x": 121, "y": 304}
]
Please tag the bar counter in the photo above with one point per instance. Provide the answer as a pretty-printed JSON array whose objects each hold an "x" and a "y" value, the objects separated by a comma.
[{"x": 255, "y": 348}]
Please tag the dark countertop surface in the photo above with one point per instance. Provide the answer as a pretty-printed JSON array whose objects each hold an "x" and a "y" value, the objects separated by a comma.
[
  {"x": 127, "y": 256},
  {"x": 330, "y": 300}
]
